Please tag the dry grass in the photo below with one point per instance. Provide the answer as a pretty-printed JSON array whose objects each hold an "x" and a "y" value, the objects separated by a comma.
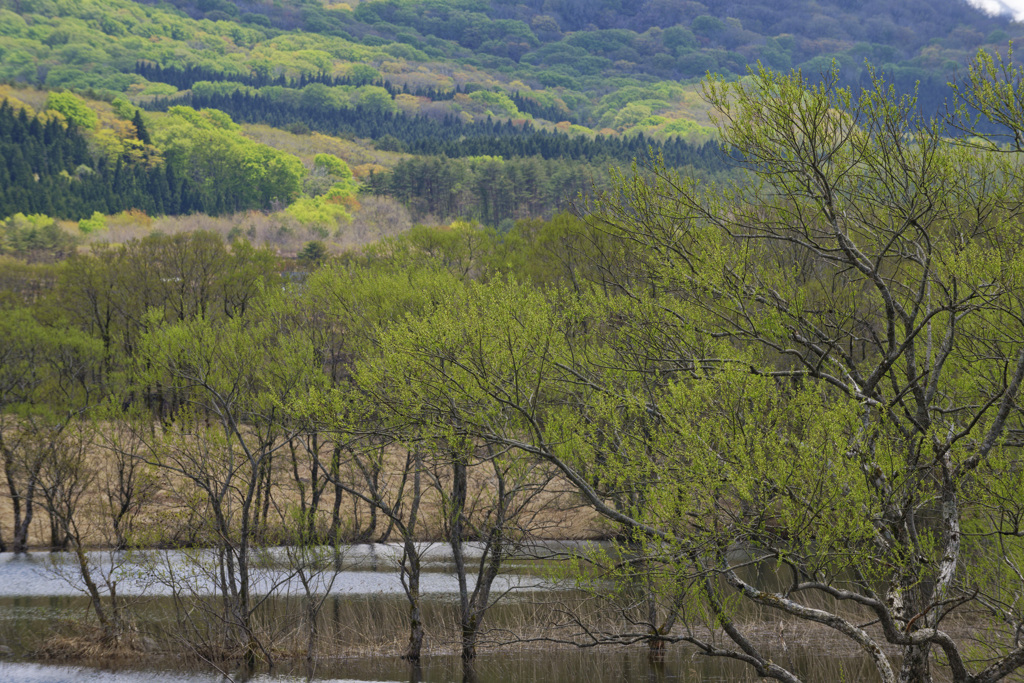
[
  {"x": 376, "y": 628},
  {"x": 88, "y": 645},
  {"x": 358, "y": 154},
  {"x": 172, "y": 515},
  {"x": 373, "y": 219}
]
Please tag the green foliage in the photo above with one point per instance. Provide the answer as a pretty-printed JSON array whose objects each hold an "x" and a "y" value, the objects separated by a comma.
[
  {"x": 34, "y": 234},
  {"x": 362, "y": 74},
  {"x": 159, "y": 89},
  {"x": 801, "y": 387},
  {"x": 496, "y": 103},
  {"x": 73, "y": 107},
  {"x": 488, "y": 189},
  {"x": 312, "y": 254},
  {"x": 706, "y": 384},
  {"x": 677, "y": 37},
  {"x": 123, "y": 108},
  {"x": 43, "y": 367},
  {"x": 230, "y": 170},
  {"x": 11, "y": 24},
  {"x": 994, "y": 87},
  {"x": 208, "y": 88},
  {"x": 332, "y": 166},
  {"x": 226, "y": 355},
  {"x": 326, "y": 212},
  {"x": 96, "y": 223},
  {"x": 375, "y": 99},
  {"x": 92, "y": 45}
]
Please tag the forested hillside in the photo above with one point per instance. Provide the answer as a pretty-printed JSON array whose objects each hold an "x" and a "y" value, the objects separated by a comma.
[
  {"x": 487, "y": 110},
  {"x": 50, "y": 171},
  {"x": 787, "y": 403},
  {"x": 278, "y": 276},
  {"x": 658, "y": 37},
  {"x": 578, "y": 43}
]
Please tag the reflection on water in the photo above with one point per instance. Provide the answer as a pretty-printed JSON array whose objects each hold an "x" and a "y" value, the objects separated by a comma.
[
  {"x": 365, "y": 599},
  {"x": 560, "y": 666},
  {"x": 614, "y": 665},
  {"x": 41, "y": 673},
  {"x": 365, "y": 569},
  {"x": 26, "y": 621}
]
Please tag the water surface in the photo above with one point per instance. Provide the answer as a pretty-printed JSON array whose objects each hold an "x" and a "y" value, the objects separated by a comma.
[{"x": 40, "y": 595}]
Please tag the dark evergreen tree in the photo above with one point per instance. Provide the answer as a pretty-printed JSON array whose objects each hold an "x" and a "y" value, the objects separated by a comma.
[
  {"x": 47, "y": 168},
  {"x": 140, "y": 128}
]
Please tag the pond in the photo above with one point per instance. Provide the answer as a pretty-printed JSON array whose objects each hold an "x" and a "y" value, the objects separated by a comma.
[
  {"x": 365, "y": 605},
  {"x": 362, "y": 570},
  {"x": 616, "y": 666}
]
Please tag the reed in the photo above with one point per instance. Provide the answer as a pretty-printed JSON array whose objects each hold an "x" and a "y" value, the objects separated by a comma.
[{"x": 534, "y": 636}]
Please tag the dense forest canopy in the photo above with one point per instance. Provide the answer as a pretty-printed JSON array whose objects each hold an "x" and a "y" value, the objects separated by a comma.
[
  {"x": 292, "y": 274},
  {"x": 612, "y": 31},
  {"x": 575, "y": 86},
  {"x": 793, "y": 393},
  {"x": 573, "y": 47}
]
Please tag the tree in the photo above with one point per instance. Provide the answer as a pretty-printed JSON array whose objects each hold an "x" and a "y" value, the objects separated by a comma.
[
  {"x": 425, "y": 379},
  {"x": 141, "y": 132},
  {"x": 128, "y": 483},
  {"x": 66, "y": 477},
  {"x": 312, "y": 254},
  {"x": 378, "y": 460},
  {"x": 46, "y": 382},
  {"x": 73, "y": 107},
  {"x": 863, "y": 273},
  {"x": 231, "y": 171},
  {"x": 815, "y": 371},
  {"x": 45, "y": 385},
  {"x": 235, "y": 377}
]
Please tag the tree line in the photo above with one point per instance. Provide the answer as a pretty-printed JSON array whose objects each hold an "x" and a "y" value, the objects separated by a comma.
[
  {"x": 799, "y": 391},
  {"x": 185, "y": 78},
  {"x": 108, "y": 405},
  {"x": 201, "y": 164},
  {"x": 448, "y": 137},
  {"x": 490, "y": 190},
  {"x": 46, "y": 167}
]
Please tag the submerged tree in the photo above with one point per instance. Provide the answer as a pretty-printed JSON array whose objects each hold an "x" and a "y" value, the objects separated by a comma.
[
  {"x": 219, "y": 451},
  {"x": 860, "y": 422},
  {"x": 814, "y": 374}
]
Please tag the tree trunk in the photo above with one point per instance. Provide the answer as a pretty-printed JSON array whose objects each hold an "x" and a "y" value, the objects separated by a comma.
[
  {"x": 412, "y": 591},
  {"x": 915, "y": 667},
  {"x": 335, "y": 477},
  {"x": 22, "y": 519},
  {"x": 110, "y": 634},
  {"x": 457, "y": 504}
]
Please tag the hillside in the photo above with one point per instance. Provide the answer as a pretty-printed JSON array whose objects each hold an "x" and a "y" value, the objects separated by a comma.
[
  {"x": 585, "y": 46},
  {"x": 606, "y": 65},
  {"x": 483, "y": 109}
]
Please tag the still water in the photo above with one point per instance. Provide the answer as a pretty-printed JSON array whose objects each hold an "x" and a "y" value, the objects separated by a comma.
[
  {"x": 38, "y": 594},
  {"x": 615, "y": 666},
  {"x": 364, "y": 569}
]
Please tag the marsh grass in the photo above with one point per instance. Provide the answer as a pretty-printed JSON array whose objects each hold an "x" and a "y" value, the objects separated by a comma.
[{"x": 364, "y": 636}]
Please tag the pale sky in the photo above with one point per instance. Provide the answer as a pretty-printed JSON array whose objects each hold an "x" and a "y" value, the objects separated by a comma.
[{"x": 995, "y": 6}]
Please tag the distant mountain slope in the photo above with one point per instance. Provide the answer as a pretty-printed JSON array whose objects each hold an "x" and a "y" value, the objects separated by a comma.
[
  {"x": 568, "y": 87},
  {"x": 580, "y": 43},
  {"x": 609, "y": 65}
]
